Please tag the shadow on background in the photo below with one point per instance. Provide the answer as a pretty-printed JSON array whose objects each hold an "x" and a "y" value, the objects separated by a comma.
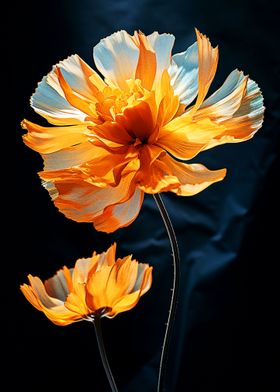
[{"x": 225, "y": 335}]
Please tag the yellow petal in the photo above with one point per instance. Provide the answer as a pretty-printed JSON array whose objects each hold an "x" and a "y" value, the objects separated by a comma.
[{"x": 185, "y": 139}]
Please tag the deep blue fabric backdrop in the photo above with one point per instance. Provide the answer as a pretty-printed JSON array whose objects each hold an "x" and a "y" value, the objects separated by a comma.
[{"x": 225, "y": 333}]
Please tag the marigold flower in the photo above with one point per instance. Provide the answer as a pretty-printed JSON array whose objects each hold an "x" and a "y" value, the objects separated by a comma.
[
  {"x": 97, "y": 286},
  {"x": 115, "y": 139}
]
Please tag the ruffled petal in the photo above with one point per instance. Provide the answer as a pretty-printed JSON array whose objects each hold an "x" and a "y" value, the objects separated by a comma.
[
  {"x": 84, "y": 202},
  {"x": 47, "y": 140},
  {"x": 50, "y": 102},
  {"x": 226, "y": 100},
  {"x": 121, "y": 214},
  {"x": 80, "y": 77},
  {"x": 245, "y": 122},
  {"x": 193, "y": 178},
  {"x": 116, "y": 57}
]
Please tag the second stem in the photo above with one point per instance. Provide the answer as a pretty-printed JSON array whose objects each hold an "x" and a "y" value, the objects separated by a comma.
[{"x": 175, "y": 292}]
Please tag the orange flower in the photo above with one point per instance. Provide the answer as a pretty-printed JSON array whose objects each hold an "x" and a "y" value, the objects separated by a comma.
[
  {"x": 118, "y": 138},
  {"x": 97, "y": 286}
]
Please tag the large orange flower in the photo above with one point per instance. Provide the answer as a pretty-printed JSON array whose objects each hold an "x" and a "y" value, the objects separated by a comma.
[
  {"x": 97, "y": 286},
  {"x": 117, "y": 138}
]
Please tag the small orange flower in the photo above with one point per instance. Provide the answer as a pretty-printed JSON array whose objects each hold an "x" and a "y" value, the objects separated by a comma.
[
  {"x": 97, "y": 286},
  {"x": 118, "y": 138}
]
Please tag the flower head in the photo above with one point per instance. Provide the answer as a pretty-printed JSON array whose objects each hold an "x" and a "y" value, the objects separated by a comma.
[
  {"x": 99, "y": 286},
  {"x": 115, "y": 139}
]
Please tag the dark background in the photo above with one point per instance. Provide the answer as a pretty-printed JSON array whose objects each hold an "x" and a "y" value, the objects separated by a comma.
[{"x": 225, "y": 336}]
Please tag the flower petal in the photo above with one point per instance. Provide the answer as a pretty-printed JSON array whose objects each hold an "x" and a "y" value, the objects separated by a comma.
[
  {"x": 50, "y": 102},
  {"x": 137, "y": 120},
  {"x": 207, "y": 66},
  {"x": 246, "y": 120},
  {"x": 108, "y": 257},
  {"x": 96, "y": 288},
  {"x": 226, "y": 100},
  {"x": 47, "y": 140},
  {"x": 193, "y": 178},
  {"x": 84, "y": 202},
  {"x": 143, "y": 284},
  {"x": 183, "y": 72},
  {"x": 46, "y": 300},
  {"x": 120, "y": 215},
  {"x": 116, "y": 57},
  {"x": 57, "y": 286},
  {"x": 72, "y": 156},
  {"x": 121, "y": 280},
  {"x": 168, "y": 103},
  {"x": 185, "y": 139},
  {"x": 79, "y": 75},
  {"x": 154, "y": 176},
  {"x": 162, "y": 44},
  {"x": 147, "y": 64},
  {"x": 53, "y": 308}
]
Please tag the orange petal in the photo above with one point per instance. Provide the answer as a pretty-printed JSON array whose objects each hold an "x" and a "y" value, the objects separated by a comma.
[
  {"x": 147, "y": 65},
  {"x": 52, "y": 307},
  {"x": 107, "y": 258},
  {"x": 113, "y": 131},
  {"x": 143, "y": 284},
  {"x": 50, "y": 139},
  {"x": 82, "y": 103},
  {"x": 154, "y": 176},
  {"x": 207, "y": 66},
  {"x": 193, "y": 178},
  {"x": 168, "y": 103},
  {"x": 96, "y": 288},
  {"x": 138, "y": 120}
]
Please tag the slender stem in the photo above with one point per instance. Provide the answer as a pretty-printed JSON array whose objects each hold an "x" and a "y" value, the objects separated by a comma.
[
  {"x": 100, "y": 342},
  {"x": 175, "y": 291}
]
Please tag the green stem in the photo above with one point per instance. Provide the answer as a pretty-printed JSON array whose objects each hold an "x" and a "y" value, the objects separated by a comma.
[
  {"x": 175, "y": 292},
  {"x": 102, "y": 351}
]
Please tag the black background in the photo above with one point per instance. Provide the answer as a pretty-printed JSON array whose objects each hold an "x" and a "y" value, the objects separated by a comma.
[{"x": 226, "y": 334}]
